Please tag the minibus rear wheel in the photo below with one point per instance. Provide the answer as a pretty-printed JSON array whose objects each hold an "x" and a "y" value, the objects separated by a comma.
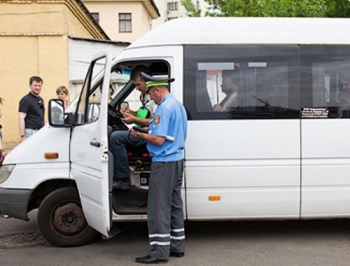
[{"x": 61, "y": 219}]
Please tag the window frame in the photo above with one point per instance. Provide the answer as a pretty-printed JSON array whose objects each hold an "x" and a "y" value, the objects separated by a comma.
[
  {"x": 125, "y": 22},
  {"x": 96, "y": 16}
]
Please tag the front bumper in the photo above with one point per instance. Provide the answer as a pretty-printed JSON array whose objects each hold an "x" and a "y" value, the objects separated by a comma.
[{"x": 14, "y": 202}]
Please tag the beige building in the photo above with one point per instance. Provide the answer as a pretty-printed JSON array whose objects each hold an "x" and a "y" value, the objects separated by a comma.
[
  {"x": 127, "y": 20},
  {"x": 124, "y": 20},
  {"x": 34, "y": 40}
]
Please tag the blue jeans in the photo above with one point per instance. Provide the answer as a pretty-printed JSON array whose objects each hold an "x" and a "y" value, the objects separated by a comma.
[
  {"x": 29, "y": 132},
  {"x": 118, "y": 142}
]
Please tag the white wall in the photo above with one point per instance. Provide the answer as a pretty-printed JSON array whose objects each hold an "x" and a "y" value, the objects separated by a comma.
[{"x": 81, "y": 52}]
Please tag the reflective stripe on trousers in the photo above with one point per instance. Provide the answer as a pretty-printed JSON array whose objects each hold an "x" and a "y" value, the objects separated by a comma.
[{"x": 165, "y": 214}]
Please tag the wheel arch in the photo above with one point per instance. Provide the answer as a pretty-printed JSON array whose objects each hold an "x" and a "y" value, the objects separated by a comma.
[{"x": 45, "y": 188}]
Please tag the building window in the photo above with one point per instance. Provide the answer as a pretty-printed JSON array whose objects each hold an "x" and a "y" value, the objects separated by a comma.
[
  {"x": 172, "y": 6},
  {"x": 124, "y": 22},
  {"x": 96, "y": 17}
]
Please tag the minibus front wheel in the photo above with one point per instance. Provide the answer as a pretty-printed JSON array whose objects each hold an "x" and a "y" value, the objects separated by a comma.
[{"x": 61, "y": 219}]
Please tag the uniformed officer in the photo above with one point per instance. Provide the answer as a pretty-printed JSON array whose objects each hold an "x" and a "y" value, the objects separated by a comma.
[{"x": 165, "y": 142}]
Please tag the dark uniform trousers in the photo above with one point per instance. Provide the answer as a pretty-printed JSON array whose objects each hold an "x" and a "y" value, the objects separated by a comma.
[{"x": 165, "y": 213}]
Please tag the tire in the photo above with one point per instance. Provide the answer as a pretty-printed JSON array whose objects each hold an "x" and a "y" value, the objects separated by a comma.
[{"x": 61, "y": 219}]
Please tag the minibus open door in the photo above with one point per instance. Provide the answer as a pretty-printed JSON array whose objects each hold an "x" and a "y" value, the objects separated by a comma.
[{"x": 89, "y": 146}]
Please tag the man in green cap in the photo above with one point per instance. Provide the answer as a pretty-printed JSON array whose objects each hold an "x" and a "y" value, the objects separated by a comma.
[{"x": 120, "y": 139}]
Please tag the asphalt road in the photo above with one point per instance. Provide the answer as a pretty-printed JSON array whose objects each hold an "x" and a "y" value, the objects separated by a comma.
[{"x": 207, "y": 243}]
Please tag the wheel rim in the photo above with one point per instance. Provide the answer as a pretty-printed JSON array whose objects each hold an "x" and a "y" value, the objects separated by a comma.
[{"x": 69, "y": 219}]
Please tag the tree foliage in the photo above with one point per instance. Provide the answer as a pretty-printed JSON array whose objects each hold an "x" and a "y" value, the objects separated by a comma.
[
  {"x": 338, "y": 8},
  {"x": 272, "y": 8},
  {"x": 191, "y": 10},
  {"x": 267, "y": 8}
]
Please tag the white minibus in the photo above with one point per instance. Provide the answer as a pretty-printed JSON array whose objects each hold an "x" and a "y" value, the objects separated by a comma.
[{"x": 279, "y": 150}]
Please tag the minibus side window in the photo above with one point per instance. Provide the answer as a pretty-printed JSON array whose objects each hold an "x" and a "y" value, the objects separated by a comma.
[
  {"x": 242, "y": 82},
  {"x": 80, "y": 115},
  {"x": 325, "y": 76},
  {"x": 89, "y": 103}
]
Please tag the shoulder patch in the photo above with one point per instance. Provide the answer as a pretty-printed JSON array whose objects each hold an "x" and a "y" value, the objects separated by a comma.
[{"x": 156, "y": 119}]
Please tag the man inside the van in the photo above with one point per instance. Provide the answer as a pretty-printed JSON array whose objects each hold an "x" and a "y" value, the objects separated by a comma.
[
  {"x": 230, "y": 86},
  {"x": 121, "y": 139}
]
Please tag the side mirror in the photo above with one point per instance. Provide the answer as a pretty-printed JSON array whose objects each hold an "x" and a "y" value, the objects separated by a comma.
[{"x": 56, "y": 113}]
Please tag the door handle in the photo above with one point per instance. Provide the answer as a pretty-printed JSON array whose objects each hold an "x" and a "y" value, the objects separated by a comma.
[{"x": 95, "y": 144}]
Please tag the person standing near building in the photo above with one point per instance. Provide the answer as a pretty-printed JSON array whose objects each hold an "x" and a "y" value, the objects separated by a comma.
[
  {"x": 62, "y": 94},
  {"x": 165, "y": 142},
  {"x": 2, "y": 155},
  {"x": 31, "y": 109}
]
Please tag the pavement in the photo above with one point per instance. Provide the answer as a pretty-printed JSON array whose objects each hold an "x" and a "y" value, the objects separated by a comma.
[
  {"x": 21, "y": 244},
  {"x": 221, "y": 243},
  {"x": 15, "y": 233}
]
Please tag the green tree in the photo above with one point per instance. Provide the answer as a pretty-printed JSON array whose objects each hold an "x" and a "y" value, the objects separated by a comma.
[
  {"x": 268, "y": 8},
  {"x": 338, "y": 8},
  {"x": 191, "y": 10},
  {"x": 272, "y": 8}
]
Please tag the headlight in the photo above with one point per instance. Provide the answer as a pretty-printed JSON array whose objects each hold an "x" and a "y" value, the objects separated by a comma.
[{"x": 5, "y": 171}]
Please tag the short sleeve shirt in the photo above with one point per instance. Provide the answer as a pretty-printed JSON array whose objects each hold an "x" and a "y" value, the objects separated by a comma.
[
  {"x": 169, "y": 119},
  {"x": 34, "y": 108}
]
